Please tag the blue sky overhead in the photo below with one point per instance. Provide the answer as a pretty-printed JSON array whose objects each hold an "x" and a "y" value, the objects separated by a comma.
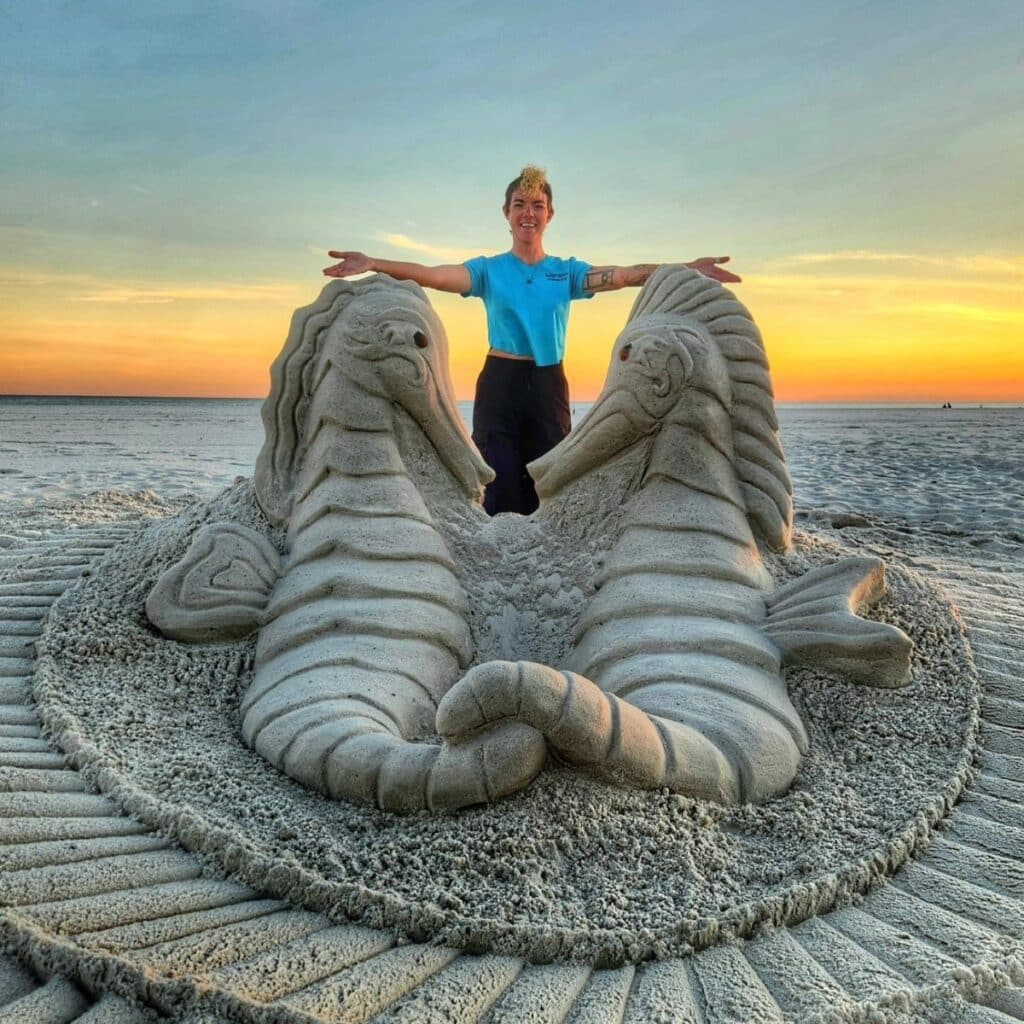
[{"x": 151, "y": 153}]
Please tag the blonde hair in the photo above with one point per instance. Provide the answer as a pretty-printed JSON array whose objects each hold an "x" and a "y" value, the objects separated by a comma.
[{"x": 531, "y": 180}]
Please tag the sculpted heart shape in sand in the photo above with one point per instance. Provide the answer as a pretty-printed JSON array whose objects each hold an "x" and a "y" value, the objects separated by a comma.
[{"x": 673, "y": 676}]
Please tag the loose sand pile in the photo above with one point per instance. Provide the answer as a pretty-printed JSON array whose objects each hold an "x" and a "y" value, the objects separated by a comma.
[{"x": 570, "y": 868}]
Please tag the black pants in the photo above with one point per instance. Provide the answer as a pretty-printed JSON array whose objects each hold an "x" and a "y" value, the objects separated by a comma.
[{"x": 520, "y": 412}]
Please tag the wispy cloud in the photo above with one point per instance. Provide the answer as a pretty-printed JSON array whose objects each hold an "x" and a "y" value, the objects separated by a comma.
[
  {"x": 21, "y": 277},
  {"x": 959, "y": 311},
  {"x": 879, "y": 285},
  {"x": 972, "y": 264},
  {"x": 444, "y": 253},
  {"x": 186, "y": 293},
  {"x": 976, "y": 288},
  {"x": 437, "y": 253},
  {"x": 88, "y": 288},
  {"x": 136, "y": 296}
]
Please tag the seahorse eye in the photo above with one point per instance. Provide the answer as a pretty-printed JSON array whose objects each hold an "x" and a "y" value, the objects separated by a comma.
[
  {"x": 624, "y": 352},
  {"x": 421, "y": 339}
]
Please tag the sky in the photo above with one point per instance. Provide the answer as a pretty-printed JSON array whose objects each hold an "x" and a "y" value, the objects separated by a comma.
[{"x": 171, "y": 176}]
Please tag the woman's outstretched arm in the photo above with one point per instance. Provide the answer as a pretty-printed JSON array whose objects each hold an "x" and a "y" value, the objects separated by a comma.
[
  {"x": 447, "y": 278},
  {"x": 608, "y": 279}
]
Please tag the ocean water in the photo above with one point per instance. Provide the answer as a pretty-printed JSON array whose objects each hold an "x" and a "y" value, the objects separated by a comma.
[{"x": 957, "y": 472}]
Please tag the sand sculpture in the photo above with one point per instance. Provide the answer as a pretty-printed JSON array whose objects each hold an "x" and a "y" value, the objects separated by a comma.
[
  {"x": 366, "y": 652},
  {"x": 150, "y": 855}
]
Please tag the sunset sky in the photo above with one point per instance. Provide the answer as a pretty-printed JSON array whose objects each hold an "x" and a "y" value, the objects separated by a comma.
[{"x": 171, "y": 177}]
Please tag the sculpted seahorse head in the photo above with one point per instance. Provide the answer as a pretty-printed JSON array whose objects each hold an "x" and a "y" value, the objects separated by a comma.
[
  {"x": 390, "y": 349},
  {"x": 655, "y": 361},
  {"x": 689, "y": 349}
]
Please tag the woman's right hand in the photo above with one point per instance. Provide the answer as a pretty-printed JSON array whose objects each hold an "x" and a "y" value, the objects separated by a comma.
[{"x": 351, "y": 263}]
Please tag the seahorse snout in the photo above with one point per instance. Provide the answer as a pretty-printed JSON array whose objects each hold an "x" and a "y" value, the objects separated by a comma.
[{"x": 613, "y": 423}]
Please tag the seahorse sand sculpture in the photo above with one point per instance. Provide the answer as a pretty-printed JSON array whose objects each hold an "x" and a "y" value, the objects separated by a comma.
[
  {"x": 675, "y": 675},
  {"x": 363, "y": 629},
  {"x": 674, "y": 679}
]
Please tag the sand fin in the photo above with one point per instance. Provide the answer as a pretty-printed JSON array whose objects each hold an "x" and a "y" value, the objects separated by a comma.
[
  {"x": 814, "y": 622},
  {"x": 218, "y": 588}
]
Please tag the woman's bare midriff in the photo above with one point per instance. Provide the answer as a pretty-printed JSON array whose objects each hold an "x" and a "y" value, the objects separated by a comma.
[{"x": 508, "y": 355}]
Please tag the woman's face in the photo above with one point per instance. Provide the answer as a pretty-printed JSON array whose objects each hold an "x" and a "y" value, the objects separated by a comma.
[{"x": 528, "y": 216}]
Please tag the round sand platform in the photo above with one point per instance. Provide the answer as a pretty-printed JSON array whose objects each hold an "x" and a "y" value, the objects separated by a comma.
[{"x": 107, "y": 919}]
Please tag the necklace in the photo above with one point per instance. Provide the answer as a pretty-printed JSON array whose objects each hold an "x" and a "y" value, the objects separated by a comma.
[{"x": 528, "y": 269}]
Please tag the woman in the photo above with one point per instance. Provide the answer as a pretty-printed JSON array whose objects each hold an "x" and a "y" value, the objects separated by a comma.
[{"x": 521, "y": 409}]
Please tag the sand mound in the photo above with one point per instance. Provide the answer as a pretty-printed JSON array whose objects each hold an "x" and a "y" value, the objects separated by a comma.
[{"x": 570, "y": 868}]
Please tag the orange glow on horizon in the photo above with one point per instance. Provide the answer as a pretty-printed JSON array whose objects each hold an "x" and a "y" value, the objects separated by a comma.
[{"x": 830, "y": 338}]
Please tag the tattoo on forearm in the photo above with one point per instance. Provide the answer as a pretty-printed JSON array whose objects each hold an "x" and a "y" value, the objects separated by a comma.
[{"x": 599, "y": 279}]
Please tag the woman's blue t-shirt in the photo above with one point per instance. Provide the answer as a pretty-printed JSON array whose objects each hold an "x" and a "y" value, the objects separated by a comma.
[{"x": 527, "y": 306}]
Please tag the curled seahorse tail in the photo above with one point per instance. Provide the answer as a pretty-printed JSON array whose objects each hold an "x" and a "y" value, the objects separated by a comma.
[
  {"x": 353, "y": 756},
  {"x": 485, "y": 767},
  {"x": 494, "y": 691},
  {"x": 590, "y": 728}
]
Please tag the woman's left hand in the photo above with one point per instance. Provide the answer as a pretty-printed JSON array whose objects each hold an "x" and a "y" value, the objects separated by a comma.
[{"x": 709, "y": 267}]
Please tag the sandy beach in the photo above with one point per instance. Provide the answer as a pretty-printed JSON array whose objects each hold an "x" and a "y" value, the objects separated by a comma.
[
  {"x": 953, "y": 472},
  {"x": 926, "y": 782}
]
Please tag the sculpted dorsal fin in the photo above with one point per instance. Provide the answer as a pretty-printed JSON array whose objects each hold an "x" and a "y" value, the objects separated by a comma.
[
  {"x": 218, "y": 589},
  {"x": 814, "y": 622}
]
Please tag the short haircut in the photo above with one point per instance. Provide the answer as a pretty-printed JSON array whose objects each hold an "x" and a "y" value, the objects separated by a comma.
[{"x": 531, "y": 180}]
